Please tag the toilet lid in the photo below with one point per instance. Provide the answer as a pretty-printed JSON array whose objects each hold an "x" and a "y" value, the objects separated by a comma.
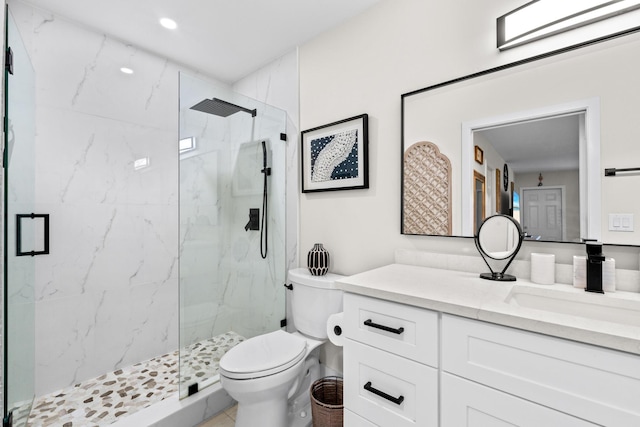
[{"x": 263, "y": 355}]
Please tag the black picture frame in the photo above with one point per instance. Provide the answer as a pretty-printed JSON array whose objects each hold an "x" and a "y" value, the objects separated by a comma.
[{"x": 335, "y": 156}]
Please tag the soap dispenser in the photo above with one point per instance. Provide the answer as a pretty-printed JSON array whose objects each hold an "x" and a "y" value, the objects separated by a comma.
[{"x": 595, "y": 259}]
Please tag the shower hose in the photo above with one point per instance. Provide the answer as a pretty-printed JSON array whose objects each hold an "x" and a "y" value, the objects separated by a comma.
[{"x": 264, "y": 229}]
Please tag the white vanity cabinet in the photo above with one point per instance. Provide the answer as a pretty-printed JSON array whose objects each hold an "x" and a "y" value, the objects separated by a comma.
[
  {"x": 589, "y": 383},
  {"x": 410, "y": 366},
  {"x": 390, "y": 364}
]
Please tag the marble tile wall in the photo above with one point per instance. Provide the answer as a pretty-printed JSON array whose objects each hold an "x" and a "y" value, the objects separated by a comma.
[{"x": 106, "y": 296}]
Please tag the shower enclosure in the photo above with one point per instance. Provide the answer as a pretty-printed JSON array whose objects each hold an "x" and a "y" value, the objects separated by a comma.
[
  {"x": 22, "y": 234},
  {"x": 232, "y": 225}
]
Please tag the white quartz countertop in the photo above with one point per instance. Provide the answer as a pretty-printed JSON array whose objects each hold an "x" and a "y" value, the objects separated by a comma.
[{"x": 467, "y": 295}]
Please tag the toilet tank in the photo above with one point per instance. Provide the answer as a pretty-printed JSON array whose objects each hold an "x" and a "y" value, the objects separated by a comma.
[{"x": 313, "y": 300}]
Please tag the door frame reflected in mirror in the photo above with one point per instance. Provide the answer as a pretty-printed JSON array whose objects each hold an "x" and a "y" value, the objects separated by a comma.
[
  {"x": 589, "y": 161},
  {"x": 479, "y": 196}
]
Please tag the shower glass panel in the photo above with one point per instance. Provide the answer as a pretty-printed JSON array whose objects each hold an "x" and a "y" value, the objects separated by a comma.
[
  {"x": 228, "y": 291},
  {"x": 19, "y": 194}
]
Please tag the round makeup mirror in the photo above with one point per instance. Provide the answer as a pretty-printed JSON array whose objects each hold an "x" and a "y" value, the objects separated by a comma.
[{"x": 499, "y": 238}]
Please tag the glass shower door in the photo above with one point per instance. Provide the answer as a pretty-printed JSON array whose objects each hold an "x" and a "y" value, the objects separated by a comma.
[
  {"x": 232, "y": 267},
  {"x": 19, "y": 196}
]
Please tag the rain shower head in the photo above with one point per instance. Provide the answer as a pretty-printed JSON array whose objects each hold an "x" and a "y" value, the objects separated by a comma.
[{"x": 221, "y": 108}]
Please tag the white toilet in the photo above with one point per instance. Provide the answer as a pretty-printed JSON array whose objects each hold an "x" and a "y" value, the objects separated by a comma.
[{"x": 268, "y": 373}]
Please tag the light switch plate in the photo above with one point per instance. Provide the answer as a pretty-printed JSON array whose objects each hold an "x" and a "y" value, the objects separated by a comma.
[{"x": 620, "y": 222}]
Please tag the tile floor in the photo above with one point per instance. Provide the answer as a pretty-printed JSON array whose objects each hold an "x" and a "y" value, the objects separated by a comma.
[
  {"x": 103, "y": 400},
  {"x": 226, "y": 418}
]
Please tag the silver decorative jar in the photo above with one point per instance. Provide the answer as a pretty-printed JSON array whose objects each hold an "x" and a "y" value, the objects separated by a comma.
[{"x": 318, "y": 260}]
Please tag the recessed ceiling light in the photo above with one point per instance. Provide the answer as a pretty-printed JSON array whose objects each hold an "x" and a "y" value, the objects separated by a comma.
[
  {"x": 126, "y": 70},
  {"x": 168, "y": 23}
]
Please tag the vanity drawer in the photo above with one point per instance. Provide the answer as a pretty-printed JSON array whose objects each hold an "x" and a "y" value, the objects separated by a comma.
[
  {"x": 405, "y": 330},
  {"x": 586, "y": 381},
  {"x": 351, "y": 419},
  {"x": 469, "y": 404},
  {"x": 389, "y": 389}
]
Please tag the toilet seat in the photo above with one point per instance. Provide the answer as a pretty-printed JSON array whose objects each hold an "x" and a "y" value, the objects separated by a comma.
[{"x": 263, "y": 355}]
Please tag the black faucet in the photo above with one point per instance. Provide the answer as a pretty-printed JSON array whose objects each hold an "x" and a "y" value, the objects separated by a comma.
[{"x": 595, "y": 258}]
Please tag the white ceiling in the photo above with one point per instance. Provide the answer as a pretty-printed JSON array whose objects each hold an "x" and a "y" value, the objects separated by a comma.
[{"x": 226, "y": 39}]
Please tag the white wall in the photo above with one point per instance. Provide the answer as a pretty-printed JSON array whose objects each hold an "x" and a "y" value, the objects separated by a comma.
[{"x": 364, "y": 66}]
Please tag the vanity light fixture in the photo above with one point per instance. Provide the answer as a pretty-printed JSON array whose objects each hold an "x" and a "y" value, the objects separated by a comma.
[
  {"x": 168, "y": 23},
  {"x": 543, "y": 18},
  {"x": 126, "y": 70}
]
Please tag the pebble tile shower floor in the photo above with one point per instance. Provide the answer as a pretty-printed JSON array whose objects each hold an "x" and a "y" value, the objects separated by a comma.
[{"x": 104, "y": 400}]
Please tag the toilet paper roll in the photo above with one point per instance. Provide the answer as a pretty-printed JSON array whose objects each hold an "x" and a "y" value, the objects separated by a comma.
[
  {"x": 543, "y": 269},
  {"x": 334, "y": 329}
]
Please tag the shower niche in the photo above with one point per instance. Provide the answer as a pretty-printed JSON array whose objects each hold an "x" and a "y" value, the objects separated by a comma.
[{"x": 232, "y": 264}]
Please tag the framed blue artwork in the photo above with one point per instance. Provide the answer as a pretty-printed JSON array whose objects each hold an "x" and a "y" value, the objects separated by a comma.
[{"x": 335, "y": 156}]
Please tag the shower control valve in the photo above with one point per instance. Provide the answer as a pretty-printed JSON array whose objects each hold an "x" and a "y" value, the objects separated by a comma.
[{"x": 254, "y": 220}]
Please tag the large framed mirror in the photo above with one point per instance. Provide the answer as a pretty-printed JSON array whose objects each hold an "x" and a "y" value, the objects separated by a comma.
[{"x": 540, "y": 132}]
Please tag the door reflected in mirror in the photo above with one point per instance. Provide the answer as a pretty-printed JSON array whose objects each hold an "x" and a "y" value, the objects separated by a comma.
[{"x": 544, "y": 214}]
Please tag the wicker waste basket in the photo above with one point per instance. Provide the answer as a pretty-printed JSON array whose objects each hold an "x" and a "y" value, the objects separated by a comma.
[{"x": 326, "y": 402}]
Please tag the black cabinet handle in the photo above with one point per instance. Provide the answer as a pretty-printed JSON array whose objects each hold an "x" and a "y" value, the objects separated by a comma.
[
  {"x": 398, "y": 331},
  {"x": 396, "y": 400}
]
